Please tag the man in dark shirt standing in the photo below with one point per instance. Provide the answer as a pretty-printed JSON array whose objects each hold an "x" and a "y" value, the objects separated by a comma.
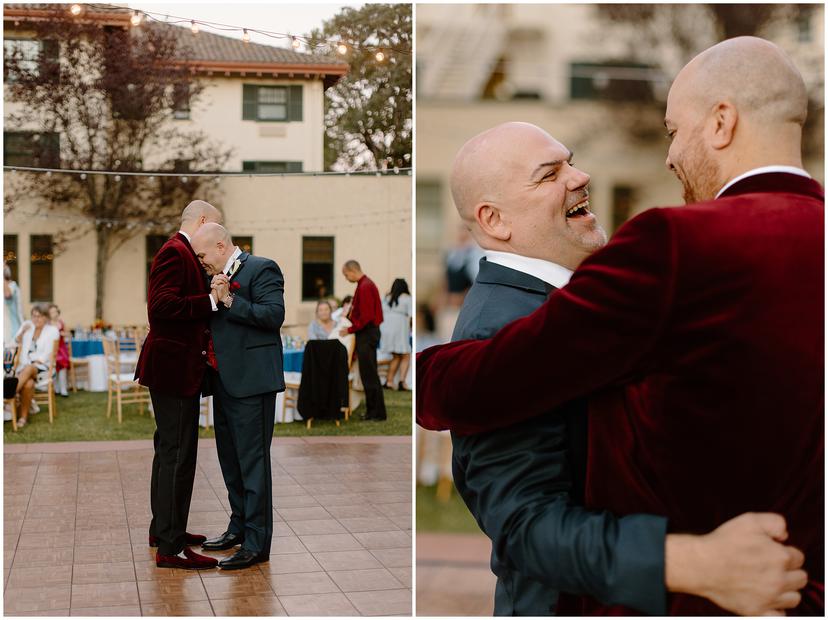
[{"x": 365, "y": 316}]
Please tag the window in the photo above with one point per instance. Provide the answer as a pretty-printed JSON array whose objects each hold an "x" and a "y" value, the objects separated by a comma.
[
  {"x": 244, "y": 243},
  {"x": 317, "y": 267},
  {"x": 272, "y": 166},
  {"x": 803, "y": 27},
  {"x": 33, "y": 55},
  {"x": 154, "y": 243},
  {"x": 181, "y": 101},
  {"x": 615, "y": 81},
  {"x": 271, "y": 103},
  {"x": 623, "y": 197},
  {"x": 41, "y": 272},
  {"x": 10, "y": 254},
  {"x": 30, "y": 148}
]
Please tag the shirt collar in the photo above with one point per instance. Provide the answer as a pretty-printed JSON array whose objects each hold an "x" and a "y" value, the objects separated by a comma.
[
  {"x": 551, "y": 273},
  {"x": 236, "y": 253},
  {"x": 764, "y": 170},
  {"x": 186, "y": 236}
]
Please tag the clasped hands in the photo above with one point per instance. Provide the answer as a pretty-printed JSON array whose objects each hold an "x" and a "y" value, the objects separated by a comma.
[{"x": 220, "y": 286}]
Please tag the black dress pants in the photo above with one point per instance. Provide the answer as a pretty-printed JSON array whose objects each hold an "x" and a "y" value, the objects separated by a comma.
[
  {"x": 173, "y": 468},
  {"x": 244, "y": 432},
  {"x": 366, "y": 351}
]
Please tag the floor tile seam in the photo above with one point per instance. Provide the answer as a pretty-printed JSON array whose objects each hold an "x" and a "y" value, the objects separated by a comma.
[
  {"x": 25, "y": 512},
  {"x": 129, "y": 534}
]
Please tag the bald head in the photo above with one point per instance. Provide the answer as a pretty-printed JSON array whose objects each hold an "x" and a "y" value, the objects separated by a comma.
[
  {"x": 737, "y": 106},
  {"x": 197, "y": 213},
  {"x": 754, "y": 74},
  {"x": 483, "y": 164},
  {"x": 213, "y": 246}
]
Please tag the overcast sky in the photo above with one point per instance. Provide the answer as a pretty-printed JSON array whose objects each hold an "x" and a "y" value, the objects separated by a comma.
[{"x": 293, "y": 18}]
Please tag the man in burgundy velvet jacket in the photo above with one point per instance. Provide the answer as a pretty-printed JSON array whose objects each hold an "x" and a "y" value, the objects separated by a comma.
[
  {"x": 697, "y": 331},
  {"x": 172, "y": 365}
]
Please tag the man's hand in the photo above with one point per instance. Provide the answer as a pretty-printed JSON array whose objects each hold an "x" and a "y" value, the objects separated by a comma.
[
  {"x": 220, "y": 286},
  {"x": 343, "y": 332},
  {"x": 741, "y": 566}
]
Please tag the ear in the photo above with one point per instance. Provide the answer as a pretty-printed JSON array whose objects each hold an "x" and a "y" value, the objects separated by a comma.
[
  {"x": 724, "y": 120},
  {"x": 491, "y": 222}
]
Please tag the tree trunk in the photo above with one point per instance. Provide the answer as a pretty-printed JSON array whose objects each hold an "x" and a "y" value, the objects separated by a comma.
[{"x": 102, "y": 249}]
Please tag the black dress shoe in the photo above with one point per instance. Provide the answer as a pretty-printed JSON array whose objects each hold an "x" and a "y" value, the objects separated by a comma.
[
  {"x": 225, "y": 541},
  {"x": 242, "y": 559}
]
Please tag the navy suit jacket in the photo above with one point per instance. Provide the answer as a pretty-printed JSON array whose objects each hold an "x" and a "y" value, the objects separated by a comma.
[
  {"x": 246, "y": 336},
  {"x": 524, "y": 486}
]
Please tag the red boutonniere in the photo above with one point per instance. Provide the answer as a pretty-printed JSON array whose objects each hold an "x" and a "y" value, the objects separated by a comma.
[{"x": 234, "y": 286}]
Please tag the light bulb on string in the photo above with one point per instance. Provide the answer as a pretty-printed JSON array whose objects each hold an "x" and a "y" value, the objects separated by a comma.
[
  {"x": 342, "y": 48},
  {"x": 194, "y": 27},
  {"x": 295, "y": 43},
  {"x": 135, "y": 20},
  {"x": 48, "y": 173},
  {"x": 117, "y": 178},
  {"x": 83, "y": 176},
  {"x": 380, "y": 56},
  {"x": 76, "y": 9},
  {"x": 183, "y": 179},
  {"x": 246, "y": 36}
]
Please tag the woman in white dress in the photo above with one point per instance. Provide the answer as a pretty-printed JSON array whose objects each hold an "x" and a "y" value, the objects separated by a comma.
[
  {"x": 12, "y": 308},
  {"x": 36, "y": 339},
  {"x": 395, "y": 333}
]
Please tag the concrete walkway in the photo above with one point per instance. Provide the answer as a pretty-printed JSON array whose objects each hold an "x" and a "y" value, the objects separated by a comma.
[{"x": 77, "y": 514}]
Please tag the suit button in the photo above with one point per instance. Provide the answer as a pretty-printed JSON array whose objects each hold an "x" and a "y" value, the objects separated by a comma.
[{"x": 204, "y": 352}]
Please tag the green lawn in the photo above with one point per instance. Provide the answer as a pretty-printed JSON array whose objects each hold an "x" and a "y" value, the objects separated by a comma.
[
  {"x": 82, "y": 417},
  {"x": 434, "y": 515}
]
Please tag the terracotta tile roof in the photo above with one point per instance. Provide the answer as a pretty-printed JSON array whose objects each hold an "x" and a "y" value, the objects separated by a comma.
[{"x": 210, "y": 51}]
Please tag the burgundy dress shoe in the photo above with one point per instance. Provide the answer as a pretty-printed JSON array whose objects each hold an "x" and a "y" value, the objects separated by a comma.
[
  {"x": 187, "y": 559},
  {"x": 191, "y": 540}
]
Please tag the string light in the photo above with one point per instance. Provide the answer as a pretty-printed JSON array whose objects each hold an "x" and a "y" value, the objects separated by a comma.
[
  {"x": 195, "y": 26},
  {"x": 215, "y": 175},
  {"x": 380, "y": 56}
]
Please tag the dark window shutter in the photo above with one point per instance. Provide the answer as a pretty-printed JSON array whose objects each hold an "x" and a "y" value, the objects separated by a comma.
[
  {"x": 250, "y": 102},
  {"x": 294, "y": 166},
  {"x": 248, "y": 166},
  {"x": 294, "y": 103}
]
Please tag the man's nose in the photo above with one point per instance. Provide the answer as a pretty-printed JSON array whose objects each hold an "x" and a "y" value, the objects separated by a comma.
[{"x": 577, "y": 179}]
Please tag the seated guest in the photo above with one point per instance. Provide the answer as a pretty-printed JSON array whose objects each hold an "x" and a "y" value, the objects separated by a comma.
[
  {"x": 62, "y": 361},
  {"x": 322, "y": 326},
  {"x": 36, "y": 339},
  {"x": 343, "y": 309}
]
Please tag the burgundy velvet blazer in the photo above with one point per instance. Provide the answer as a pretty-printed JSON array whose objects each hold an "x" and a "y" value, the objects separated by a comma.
[
  {"x": 173, "y": 358},
  {"x": 698, "y": 334}
]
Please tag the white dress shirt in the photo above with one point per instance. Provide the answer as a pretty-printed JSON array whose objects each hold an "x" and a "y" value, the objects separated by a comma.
[
  {"x": 551, "y": 273},
  {"x": 764, "y": 170}
]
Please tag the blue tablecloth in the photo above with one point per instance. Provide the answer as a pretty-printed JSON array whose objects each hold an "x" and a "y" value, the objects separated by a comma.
[
  {"x": 293, "y": 360},
  {"x": 84, "y": 348}
]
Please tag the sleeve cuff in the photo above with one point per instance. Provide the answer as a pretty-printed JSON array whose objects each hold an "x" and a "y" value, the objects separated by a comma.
[
  {"x": 640, "y": 564},
  {"x": 212, "y": 302}
]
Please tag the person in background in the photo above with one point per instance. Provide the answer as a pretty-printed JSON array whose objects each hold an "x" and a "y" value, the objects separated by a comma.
[
  {"x": 322, "y": 326},
  {"x": 395, "y": 333},
  {"x": 343, "y": 309},
  {"x": 62, "y": 361},
  {"x": 36, "y": 339},
  {"x": 366, "y": 317},
  {"x": 13, "y": 309}
]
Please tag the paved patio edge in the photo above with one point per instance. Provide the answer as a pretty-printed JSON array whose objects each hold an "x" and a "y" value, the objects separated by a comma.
[{"x": 146, "y": 444}]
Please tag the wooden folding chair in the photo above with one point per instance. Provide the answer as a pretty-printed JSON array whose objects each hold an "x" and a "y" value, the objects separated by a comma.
[
  {"x": 126, "y": 390},
  {"x": 46, "y": 396},
  {"x": 10, "y": 356},
  {"x": 77, "y": 365}
]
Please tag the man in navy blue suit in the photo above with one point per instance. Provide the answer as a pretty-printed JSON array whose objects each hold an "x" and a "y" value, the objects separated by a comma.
[{"x": 525, "y": 483}]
